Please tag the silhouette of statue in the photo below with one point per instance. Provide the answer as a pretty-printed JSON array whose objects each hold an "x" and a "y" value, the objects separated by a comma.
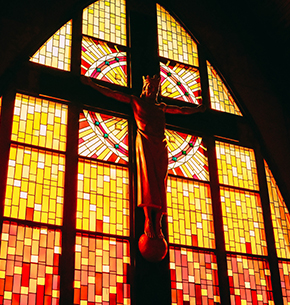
[{"x": 151, "y": 148}]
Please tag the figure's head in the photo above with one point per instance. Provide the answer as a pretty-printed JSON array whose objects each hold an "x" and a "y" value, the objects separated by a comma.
[{"x": 150, "y": 87}]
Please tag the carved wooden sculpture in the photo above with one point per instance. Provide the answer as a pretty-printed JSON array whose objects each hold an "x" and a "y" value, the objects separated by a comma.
[{"x": 151, "y": 158}]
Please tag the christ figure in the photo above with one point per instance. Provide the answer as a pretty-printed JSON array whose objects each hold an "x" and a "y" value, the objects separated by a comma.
[{"x": 151, "y": 148}]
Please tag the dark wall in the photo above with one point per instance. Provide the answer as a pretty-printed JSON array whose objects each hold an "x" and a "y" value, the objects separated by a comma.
[{"x": 242, "y": 42}]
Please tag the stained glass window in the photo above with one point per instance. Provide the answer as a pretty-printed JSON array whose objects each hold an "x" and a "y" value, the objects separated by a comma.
[
  {"x": 106, "y": 19},
  {"x": 103, "y": 61},
  {"x": 194, "y": 278},
  {"x": 180, "y": 82},
  {"x": 29, "y": 265},
  {"x": 220, "y": 97},
  {"x": 190, "y": 218},
  {"x": 56, "y": 52},
  {"x": 284, "y": 268},
  {"x": 35, "y": 185},
  {"x": 243, "y": 222},
  {"x": 103, "y": 137},
  {"x": 101, "y": 271},
  {"x": 173, "y": 41},
  {"x": 280, "y": 216},
  {"x": 250, "y": 280},
  {"x": 187, "y": 155},
  {"x": 39, "y": 122},
  {"x": 236, "y": 166},
  {"x": 103, "y": 198}
]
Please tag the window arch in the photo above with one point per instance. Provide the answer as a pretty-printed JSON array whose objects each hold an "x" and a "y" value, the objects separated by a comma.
[{"x": 193, "y": 184}]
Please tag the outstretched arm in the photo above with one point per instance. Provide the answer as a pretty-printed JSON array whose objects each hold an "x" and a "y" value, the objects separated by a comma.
[
  {"x": 182, "y": 110},
  {"x": 122, "y": 97}
]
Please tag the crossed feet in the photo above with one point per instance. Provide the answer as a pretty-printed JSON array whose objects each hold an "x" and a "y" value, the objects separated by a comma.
[{"x": 149, "y": 226}]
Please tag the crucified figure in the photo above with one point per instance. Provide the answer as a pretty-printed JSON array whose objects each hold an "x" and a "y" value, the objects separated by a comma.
[{"x": 151, "y": 148}]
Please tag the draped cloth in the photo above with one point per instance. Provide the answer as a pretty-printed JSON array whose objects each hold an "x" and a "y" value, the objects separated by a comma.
[{"x": 151, "y": 155}]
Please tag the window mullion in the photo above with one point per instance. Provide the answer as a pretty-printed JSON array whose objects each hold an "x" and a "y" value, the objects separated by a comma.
[
  {"x": 270, "y": 238},
  {"x": 203, "y": 77},
  {"x": 76, "y": 43},
  {"x": 218, "y": 223},
  {"x": 5, "y": 136},
  {"x": 69, "y": 213}
]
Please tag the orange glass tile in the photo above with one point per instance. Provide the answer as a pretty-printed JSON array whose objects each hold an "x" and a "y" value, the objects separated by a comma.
[
  {"x": 180, "y": 82},
  {"x": 39, "y": 122},
  {"x": 194, "y": 277},
  {"x": 103, "y": 198},
  {"x": 101, "y": 271},
  {"x": 103, "y": 61},
  {"x": 236, "y": 166},
  {"x": 187, "y": 155},
  {"x": 280, "y": 216},
  {"x": 220, "y": 97},
  {"x": 29, "y": 265},
  {"x": 174, "y": 42},
  {"x": 284, "y": 269},
  {"x": 250, "y": 281},
  {"x": 189, "y": 213},
  {"x": 243, "y": 222},
  {"x": 103, "y": 137},
  {"x": 106, "y": 19},
  {"x": 35, "y": 185},
  {"x": 56, "y": 51}
]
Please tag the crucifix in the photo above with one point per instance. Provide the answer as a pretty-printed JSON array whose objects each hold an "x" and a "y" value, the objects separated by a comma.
[{"x": 151, "y": 158}]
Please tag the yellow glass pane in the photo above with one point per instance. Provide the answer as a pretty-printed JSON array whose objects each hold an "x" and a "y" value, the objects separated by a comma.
[
  {"x": 56, "y": 51},
  {"x": 39, "y": 122},
  {"x": 220, "y": 97},
  {"x": 236, "y": 166},
  {"x": 250, "y": 280},
  {"x": 280, "y": 216},
  {"x": 284, "y": 268},
  {"x": 103, "y": 198},
  {"x": 194, "y": 277},
  {"x": 106, "y": 19},
  {"x": 35, "y": 185},
  {"x": 243, "y": 222},
  {"x": 101, "y": 271},
  {"x": 174, "y": 42},
  {"x": 29, "y": 265},
  {"x": 189, "y": 209}
]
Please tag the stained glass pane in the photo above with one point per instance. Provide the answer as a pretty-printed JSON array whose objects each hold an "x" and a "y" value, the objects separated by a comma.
[
  {"x": 250, "y": 280},
  {"x": 194, "y": 278},
  {"x": 280, "y": 216},
  {"x": 39, "y": 122},
  {"x": 103, "y": 198},
  {"x": 243, "y": 222},
  {"x": 103, "y": 137},
  {"x": 106, "y": 19},
  {"x": 236, "y": 166},
  {"x": 56, "y": 52},
  {"x": 220, "y": 96},
  {"x": 189, "y": 209},
  {"x": 104, "y": 62},
  {"x": 35, "y": 185},
  {"x": 187, "y": 155},
  {"x": 180, "y": 82},
  {"x": 101, "y": 271},
  {"x": 29, "y": 265},
  {"x": 174, "y": 42},
  {"x": 284, "y": 268}
]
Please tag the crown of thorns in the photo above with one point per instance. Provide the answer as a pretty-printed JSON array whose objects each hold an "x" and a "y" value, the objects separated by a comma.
[{"x": 155, "y": 80}]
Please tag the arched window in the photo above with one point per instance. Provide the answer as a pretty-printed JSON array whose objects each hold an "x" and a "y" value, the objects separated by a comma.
[{"x": 70, "y": 227}]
